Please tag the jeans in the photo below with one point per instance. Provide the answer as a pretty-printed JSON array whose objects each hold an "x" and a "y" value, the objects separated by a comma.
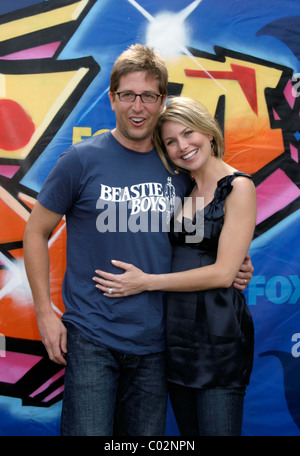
[
  {"x": 111, "y": 393},
  {"x": 207, "y": 411}
]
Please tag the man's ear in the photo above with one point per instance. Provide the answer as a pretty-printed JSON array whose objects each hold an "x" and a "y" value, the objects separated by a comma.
[
  {"x": 163, "y": 100},
  {"x": 112, "y": 100}
]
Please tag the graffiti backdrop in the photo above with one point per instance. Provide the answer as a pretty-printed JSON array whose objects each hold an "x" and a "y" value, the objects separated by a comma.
[{"x": 241, "y": 59}]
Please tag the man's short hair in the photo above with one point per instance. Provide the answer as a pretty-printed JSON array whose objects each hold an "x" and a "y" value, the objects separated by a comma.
[{"x": 140, "y": 58}]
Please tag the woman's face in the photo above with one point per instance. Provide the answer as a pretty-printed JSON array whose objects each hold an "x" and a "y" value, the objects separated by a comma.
[{"x": 186, "y": 147}]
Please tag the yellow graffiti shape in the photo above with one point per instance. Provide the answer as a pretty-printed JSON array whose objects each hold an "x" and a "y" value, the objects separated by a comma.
[
  {"x": 41, "y": 21},
  {"x": 250, "y": 143},
  {"x": 41, "y": 96}
]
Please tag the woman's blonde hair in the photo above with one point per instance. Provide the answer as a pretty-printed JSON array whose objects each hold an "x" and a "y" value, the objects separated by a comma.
[{"x": 194, "y": 115}]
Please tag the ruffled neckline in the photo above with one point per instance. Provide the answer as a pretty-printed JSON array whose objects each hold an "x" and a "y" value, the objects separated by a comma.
[
  {"x": 223, "y": 188},
  {"x": 213, "y": 215}
]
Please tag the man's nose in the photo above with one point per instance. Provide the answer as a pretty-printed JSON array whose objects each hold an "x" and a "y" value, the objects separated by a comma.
[{"x": 137, "y": 103}]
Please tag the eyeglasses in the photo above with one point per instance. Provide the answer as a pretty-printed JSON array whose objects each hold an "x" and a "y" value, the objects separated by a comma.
[{"x": 146, "y": 97}]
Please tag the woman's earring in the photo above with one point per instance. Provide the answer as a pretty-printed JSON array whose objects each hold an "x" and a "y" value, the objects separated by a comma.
[
  {"x": 176, "y": 171},
  {"x": 212, "y": 148}
]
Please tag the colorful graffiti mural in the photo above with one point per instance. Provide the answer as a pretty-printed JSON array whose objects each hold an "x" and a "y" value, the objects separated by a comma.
[{"x": 242, "y": 60}]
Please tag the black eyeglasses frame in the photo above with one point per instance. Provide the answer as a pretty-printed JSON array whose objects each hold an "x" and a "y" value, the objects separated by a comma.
[{"x": 138, "y": 95}]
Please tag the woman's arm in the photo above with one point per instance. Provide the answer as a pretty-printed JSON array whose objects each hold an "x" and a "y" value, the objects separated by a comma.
[{"x": 234, "y": 242}]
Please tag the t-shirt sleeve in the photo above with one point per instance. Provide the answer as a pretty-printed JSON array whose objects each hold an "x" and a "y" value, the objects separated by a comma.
[{"x": 61, "y": 187}]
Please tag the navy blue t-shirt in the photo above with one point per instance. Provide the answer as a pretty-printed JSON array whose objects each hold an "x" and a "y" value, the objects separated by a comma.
[{"x": 115, "y": 200}]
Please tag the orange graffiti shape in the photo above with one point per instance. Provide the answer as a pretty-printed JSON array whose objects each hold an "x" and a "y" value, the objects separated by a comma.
[{"x": 17, "y": 316}]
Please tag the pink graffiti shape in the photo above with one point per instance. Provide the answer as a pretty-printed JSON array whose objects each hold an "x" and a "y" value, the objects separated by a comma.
[
  {"x": 48, "y": 383},
  {"x": 294, "y": 152},
  {"x": 288, "y": 93},
  {"x": 274, "y": 193},
  {"x": 37, "y": 52},
  {"x": 276, "y": 116},
  {"x": 54, "y": 394},
  {"x": 14, "y": 366},
  {"x": 8, "y": 170}
]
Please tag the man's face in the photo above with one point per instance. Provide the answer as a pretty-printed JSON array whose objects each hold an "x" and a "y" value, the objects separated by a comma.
[{"x": 136, "y": 121}]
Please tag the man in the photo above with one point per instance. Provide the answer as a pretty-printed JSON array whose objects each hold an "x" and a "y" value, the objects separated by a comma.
[{"x": 111, "y": 188}]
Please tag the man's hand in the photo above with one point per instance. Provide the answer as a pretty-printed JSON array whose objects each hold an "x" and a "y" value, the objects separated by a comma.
[
  {"x": 54, "y": 336},
  {"x": 244, "y": 275}
]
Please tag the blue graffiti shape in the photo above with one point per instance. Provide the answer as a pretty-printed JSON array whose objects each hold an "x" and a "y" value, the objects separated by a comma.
[
  {"x": 285, "y": 29},
  {"x": 291, "y": 375}
]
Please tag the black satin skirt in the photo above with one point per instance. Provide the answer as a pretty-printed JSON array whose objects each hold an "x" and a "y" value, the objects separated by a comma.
[{"x": 210, "y": 334}]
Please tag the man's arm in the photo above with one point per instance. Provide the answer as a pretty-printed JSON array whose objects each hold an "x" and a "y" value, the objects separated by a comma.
[
  {"x": 53, "y": 333},
  {"x": 244, "y": 275}
]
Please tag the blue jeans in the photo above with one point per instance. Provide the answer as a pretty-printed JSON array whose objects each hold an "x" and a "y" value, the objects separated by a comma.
[
  {"x": 207, "y": 411},
  {"x": 111, "y": 393}
]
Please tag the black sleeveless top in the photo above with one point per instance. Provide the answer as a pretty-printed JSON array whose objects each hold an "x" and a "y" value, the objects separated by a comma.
[{"x": 210, "y": 334}]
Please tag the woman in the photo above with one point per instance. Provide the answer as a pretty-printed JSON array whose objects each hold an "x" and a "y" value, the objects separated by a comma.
[{"x": 209, "y": 327}]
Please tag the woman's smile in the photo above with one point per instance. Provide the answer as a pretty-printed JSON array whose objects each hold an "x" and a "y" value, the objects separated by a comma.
[{"x": 190, "y": 154}]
